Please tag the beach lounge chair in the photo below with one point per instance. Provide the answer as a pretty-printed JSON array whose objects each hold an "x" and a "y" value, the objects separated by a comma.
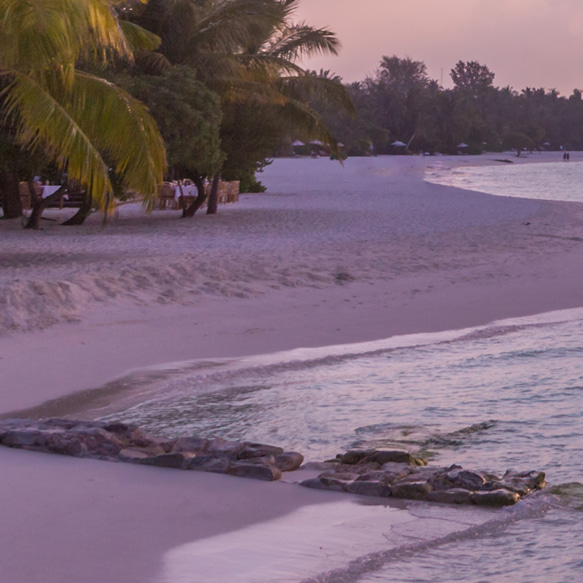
[
  {"x": 223, "y": 192},
  {"x": 165, "y": 196},
  {"x": 233, "y": 191}
]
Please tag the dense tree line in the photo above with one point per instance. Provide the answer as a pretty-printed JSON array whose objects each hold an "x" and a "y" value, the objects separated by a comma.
[{"x": 401, "y": 103}]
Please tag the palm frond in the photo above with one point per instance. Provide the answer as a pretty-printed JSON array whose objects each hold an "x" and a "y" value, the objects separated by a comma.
[
  {"x": 40, "y": 33},
  {"x": 310, "y": 86},
  {"x": 215, "y": 67},
  {"x": 138, "y": 38},
  {"x": 153, "y": 63},
  {"x": 236, "y": 24},
  {"x": 277, "y": 64},
  {"x": 307, "y": 121},
  {"x": 299, "y": 41},
  {"x": 121, "y": 127},
  {"x": 43, "y": 120},
  {"x": 93, "y": 119}
]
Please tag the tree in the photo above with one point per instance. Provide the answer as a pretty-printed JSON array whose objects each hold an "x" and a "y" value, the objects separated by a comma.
[
  {"x": 518, "y": 141},
  {"x": 247, "y": 52},
  {"x": 278, "y": 95},
  {"x": 189, "y": 117},
  {"x": 75, "y": 117},
  {"x": 399, "y": 93},
  {"x": 472, "y": 78}
]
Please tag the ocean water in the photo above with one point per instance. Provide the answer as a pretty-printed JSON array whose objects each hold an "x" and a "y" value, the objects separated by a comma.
[
  {"x": 504, "y": 396},
  {"x": 507, "y": 395},
  {"x": 545, "y": 180}
]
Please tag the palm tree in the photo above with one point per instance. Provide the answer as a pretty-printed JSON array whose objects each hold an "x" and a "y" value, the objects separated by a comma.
[
  {"x": 247, "y": 52},
  {"x": 81, "y": 120},
  {"x": 272, "y": 61}
]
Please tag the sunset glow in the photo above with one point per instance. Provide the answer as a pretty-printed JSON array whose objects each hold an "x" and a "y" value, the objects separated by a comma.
[{"x": 534, "y": 43}]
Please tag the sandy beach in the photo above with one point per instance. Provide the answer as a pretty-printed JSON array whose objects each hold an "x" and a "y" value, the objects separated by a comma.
[{"x": 327, "y": 256}]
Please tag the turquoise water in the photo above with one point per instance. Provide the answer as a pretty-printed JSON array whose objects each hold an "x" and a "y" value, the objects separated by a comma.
[
  {"x": 545, "y": 180},
  {"x": 509, "y": 395}
]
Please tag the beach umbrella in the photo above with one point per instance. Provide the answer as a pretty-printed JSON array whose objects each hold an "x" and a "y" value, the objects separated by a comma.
[
  {"x": 298, "y": 143},
  {"x": 399, "y": 144},
  {"x": 462, "y": 145},
  {"x": 340, "y": 145},
  {"x": 317, "y": 143}
]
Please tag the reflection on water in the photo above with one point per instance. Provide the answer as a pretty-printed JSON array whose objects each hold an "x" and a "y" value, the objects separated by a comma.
[
  {"x": 547, "y": 180},
  {"x": 498, "y": 400},
  {"x": 506, "y": 396}
]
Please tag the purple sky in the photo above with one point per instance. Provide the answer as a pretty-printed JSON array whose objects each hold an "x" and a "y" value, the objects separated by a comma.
[{"x": 534, "y": 43}]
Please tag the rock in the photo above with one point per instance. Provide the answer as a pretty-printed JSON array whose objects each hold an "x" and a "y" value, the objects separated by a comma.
[
  {"x": 140, "y": 438},
  {"x": 167, "y": 460},
  {"x": 374, "y": 476},
  {"x": 289, "y": 461},
  {"x": 65, "y": 444},
  {"x": 220, "y": 446},
  {"x": 323, "y": 484},
  {"x": 132, "y": 455},
  {"x": 453, "y": 496},
  {"x": 97, "y": 443},
  {"x": 523, "y": 482},
  {"x": 367, "y": 472},
  {"x": 429, "y": 474},
  {"x": 24, "y": 438},
  {"x": 168, "y": 445},
  {"x": 340, "y": 476},
  {"x": 64, "y": 424},
  {"x": 256, "y": 450},
  {"x": 355, "y": 456},
  {"x": 382, "y": 457},
  {"x": 465, "y": 479},
  {"x": 119, "y": 428},
  {"x": 411, "y": 490},
  {"x": 395, "y": 471},
  {"x": 194, "y": 445},
  {"x": 208, "y": 463},
  {"x": 500, "y": 497},
  {"x": 246, "y": 469},
  {"x": 368, "y": 488}
]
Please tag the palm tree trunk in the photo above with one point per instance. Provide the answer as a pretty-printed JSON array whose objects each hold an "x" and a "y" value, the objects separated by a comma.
[
  {"x": 38, "y": 206},
  {"x": 213, "y": 203},
  {"x": 11, "y": 203},
  {"x": 200, "y": 199}
]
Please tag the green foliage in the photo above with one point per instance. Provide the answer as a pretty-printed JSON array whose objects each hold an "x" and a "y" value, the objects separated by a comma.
[
  {"x": 73, "y": 116},
  {"x": 189, "y": 117},
  {"x": 472, "y": 78},
  {"x": 518, "y": 141},
  {"x": 400, "y": 102},
  {"x": 250, "y": 134},
  {"x": 247, "y": 52}
]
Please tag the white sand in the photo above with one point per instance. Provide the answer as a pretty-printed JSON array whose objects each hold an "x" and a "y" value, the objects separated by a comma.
[{"x": 327, "y": 256}]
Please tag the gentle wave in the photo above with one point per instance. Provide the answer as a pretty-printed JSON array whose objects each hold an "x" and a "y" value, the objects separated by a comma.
[
  {"x": 542, "y": 181},
  {"x": 535, "y": 506}
]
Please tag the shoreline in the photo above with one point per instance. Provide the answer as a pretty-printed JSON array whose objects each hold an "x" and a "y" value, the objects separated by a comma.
[
  {"x": 433, "y": 279},
  {"x": 319, "y": 265}
]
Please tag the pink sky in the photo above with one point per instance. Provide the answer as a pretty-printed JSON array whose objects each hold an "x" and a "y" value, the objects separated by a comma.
[{"x": 534, "y": 43}]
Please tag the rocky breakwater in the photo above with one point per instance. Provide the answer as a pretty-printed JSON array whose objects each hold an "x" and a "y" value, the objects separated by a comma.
[
  {"x": 399, "y": 474},
  {"x": 365, "y": 472},
  {"x": 128, "y": 443}
]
